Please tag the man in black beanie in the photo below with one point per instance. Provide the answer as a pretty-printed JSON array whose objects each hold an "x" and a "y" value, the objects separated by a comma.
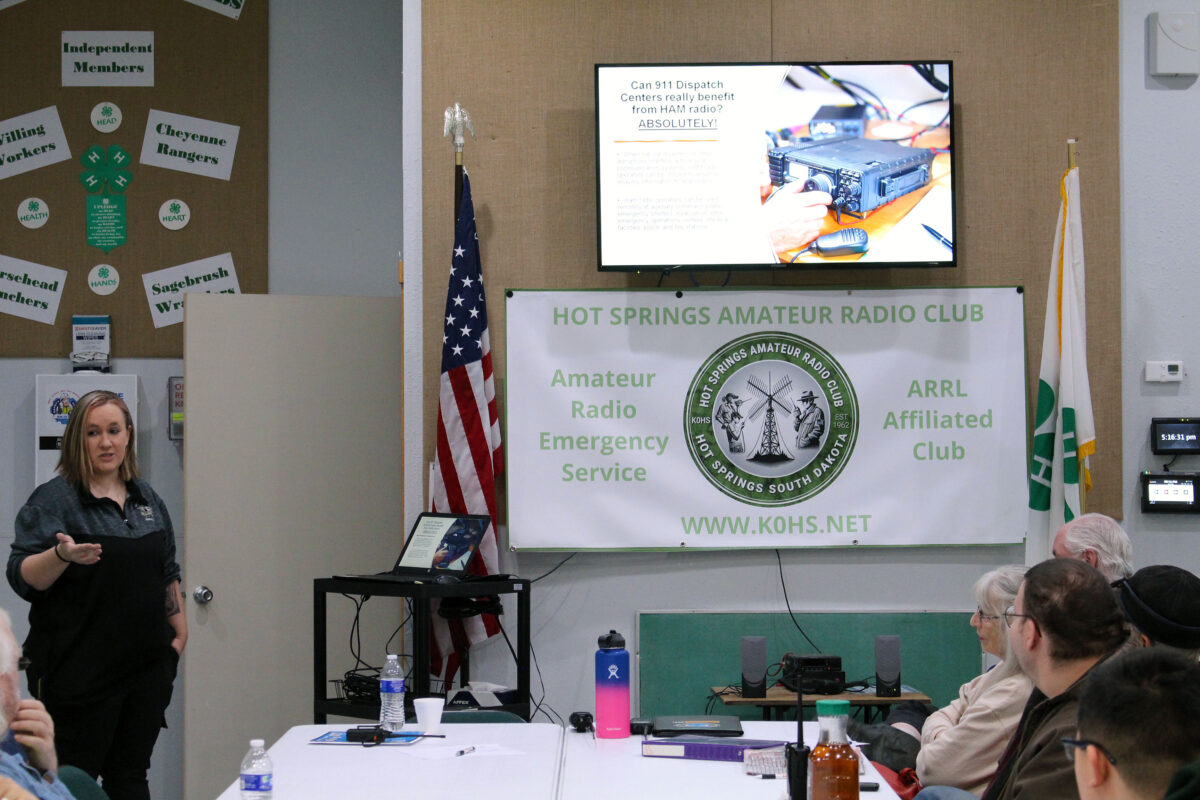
[{"x": 1163, "y": 605}]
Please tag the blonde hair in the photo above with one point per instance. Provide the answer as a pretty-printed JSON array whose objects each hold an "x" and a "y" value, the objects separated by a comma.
[
  {"x": 73, "y": 461},
  {"x": 994, "y": 592}
]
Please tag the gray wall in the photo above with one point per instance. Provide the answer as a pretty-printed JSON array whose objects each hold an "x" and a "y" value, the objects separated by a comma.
[
  {"x": 1160, "y": 240},
  {"x": 336, "y": 229}
]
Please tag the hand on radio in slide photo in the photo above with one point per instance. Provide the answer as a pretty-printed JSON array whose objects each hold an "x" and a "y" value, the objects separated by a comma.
[{"x": 793, "y": 216}]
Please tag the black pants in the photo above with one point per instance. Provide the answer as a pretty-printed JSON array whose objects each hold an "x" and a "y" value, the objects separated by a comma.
[{"x": 111, "y": 739}]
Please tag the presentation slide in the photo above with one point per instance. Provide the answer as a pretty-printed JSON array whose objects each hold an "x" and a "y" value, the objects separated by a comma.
[
  {"x": 749, "y": 418},
  {"x": 746, "y": 165},
  {"x": 443, "y": 543}
]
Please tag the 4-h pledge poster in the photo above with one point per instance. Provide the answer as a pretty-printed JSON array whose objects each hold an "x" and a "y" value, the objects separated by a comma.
[{"x": 780, "y": 418}]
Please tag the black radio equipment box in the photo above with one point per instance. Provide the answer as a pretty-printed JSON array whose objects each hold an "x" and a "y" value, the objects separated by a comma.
[
  {"x": 814, "y": 674},
  {"x": 860, "y": 174}
]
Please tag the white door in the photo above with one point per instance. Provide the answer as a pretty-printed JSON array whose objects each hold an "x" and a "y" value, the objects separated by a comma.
[{"x": 292, "y": 471}]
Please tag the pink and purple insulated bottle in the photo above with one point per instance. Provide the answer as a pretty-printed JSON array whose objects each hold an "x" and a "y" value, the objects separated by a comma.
[{"x": 612, "y": 687}]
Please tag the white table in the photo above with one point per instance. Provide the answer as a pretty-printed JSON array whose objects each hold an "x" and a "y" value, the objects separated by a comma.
[
  {"x": 607, "y": 768},
  {"x": 517, "y": 761}
]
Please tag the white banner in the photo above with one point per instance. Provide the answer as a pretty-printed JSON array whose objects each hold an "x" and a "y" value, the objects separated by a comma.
[
  {"x": 30, "y": 290},
  {"x": 166, "y": 287},
  {"x": 781, "y": 418},
  {"x": 189, "y": 144},
  {"x": 228, "y": 8},
  {"x": 108, "y": 58},
  {"x": 31, "y": 141}
]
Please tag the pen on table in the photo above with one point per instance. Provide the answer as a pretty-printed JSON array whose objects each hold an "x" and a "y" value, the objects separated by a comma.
[
  {"x": 465, "y": 750},
  {"x": 938, "y": 236}
]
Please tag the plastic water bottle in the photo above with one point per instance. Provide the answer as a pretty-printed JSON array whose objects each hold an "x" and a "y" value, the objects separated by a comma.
[
  {"x": 391, "y": 695},
  {"x": 257, "y": 773},
  {"x": 612, "y": 687}
]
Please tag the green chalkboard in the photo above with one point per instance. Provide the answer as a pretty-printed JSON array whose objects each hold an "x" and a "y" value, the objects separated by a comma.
[{"x": 682, "y": 654}]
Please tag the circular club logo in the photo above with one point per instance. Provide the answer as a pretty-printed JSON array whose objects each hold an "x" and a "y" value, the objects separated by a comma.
[
  {"x": 104, "y": 279},
  {"x": 771, "y": 418},
  {"x": 61, "y": 403}
]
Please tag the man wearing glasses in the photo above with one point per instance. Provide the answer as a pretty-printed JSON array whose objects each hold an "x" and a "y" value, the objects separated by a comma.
[
  {"x": 1139, "y": 728},
  {"x": 1065, "y": 621}
]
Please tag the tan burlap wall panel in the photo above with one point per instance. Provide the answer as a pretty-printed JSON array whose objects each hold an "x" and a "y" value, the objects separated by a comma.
[{"x": 1027, "y": 77}]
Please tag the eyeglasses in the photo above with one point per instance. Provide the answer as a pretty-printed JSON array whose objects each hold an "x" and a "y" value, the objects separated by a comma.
[
  {"x": 1071, "y": 745},
  {"x": 985, "y": 617},
  {"x": 1011, "y": 612}
]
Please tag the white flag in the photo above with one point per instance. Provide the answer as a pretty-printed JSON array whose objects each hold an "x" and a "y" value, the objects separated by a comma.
[{"x": 1064, "y": 435}]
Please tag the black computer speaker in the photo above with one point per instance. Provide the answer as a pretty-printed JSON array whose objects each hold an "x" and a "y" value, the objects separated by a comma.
[
  {"x": 887, "y": 666},
  {"x": 754, "y": 666}
]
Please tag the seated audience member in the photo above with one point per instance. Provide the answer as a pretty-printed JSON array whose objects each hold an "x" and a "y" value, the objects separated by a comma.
[
  {"x": 961, "y": 743},
  {"x": 1139, "y": 728},
  {"x": 28, "y": 761},
  {"x": 1097, "y": 540},
  {"x": 1162, "y": 603},
  {"x": 1064, "y": 622}
]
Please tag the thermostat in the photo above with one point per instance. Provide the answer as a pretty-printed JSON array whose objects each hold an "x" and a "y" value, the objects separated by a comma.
[
  {"x": 1175, "y": 436},
  {"x": 1169, "y": 492}
]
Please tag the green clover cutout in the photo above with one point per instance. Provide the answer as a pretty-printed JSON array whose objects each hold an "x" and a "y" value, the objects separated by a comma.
[
  {"x": 35, "y": 205},
  {"x": 102, "y": 272},
  {"x": 105, "y": 169},
  {"x": 175, "y": 208},
  {"x": 106, "y": 111}
]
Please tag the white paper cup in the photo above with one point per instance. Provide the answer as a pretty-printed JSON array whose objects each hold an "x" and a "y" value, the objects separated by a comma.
[{"x": 429, "y": 713}]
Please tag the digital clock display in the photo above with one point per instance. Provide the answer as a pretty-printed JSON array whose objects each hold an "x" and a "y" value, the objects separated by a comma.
[{"x": 1175, "y": 436}]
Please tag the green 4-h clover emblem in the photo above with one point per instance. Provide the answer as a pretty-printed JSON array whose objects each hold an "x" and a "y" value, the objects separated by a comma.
[
  {"x": 106, "y": 111},
  {"x": 105, "y": 177},
  {"x": 176, "y": 208},
  {"x": 35, "y": 206},
  {"x": 103, "y": 169},
  {"x": 103, "y": 272}
]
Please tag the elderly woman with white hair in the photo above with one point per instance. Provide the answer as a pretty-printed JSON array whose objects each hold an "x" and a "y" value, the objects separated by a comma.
[{"x": 961, "y": 744}]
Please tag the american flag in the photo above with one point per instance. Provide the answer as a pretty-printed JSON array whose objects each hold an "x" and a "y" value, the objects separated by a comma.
[{"x": 469, "y": 455}]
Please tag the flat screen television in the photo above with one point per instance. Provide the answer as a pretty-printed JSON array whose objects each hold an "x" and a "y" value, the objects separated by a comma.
[{"x": 766, "y": 166}]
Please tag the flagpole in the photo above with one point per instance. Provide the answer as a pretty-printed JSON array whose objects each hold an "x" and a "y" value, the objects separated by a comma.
[
  {"x": 457, "y": 123},
  {"x": 1071, "y": 153}
]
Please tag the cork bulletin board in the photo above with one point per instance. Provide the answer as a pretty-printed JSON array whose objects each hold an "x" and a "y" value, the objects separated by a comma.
[
  {"x": 524, "y": 71},
  {"x": 133, "y": 166}
]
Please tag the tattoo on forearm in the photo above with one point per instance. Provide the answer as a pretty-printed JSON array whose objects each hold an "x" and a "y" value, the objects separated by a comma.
[{"x": 173, "y": 606}]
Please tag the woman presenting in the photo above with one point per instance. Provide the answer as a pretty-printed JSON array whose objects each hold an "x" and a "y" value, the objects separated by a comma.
[{"x": 94, "y": 555}]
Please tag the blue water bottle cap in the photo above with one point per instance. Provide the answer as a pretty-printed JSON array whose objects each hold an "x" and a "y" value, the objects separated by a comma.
[{"x": 611, "y": 641}]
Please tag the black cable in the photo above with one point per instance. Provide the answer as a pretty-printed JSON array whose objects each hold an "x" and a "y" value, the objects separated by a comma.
[
  {"x": 556, "y": 566},
  {"x": 541, "y": 680},
  {"x": 820, "y": 73},
  {"x": 926, "y": 71},
  {"x": 881, "y": 108},
  {"x": 356, "y": 631},
  {"x": 713, "y": 697},
  {"x": 928, "y": 102},
  {"x": 788, "y": 603},
  {"x": 548, "y": 710},
  {"x": 403, "y": 622}
]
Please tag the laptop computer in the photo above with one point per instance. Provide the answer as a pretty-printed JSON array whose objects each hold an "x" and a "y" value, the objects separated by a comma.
[
  {"x": 438, "y": 549},
  {"x": 711, "y": 725}
]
